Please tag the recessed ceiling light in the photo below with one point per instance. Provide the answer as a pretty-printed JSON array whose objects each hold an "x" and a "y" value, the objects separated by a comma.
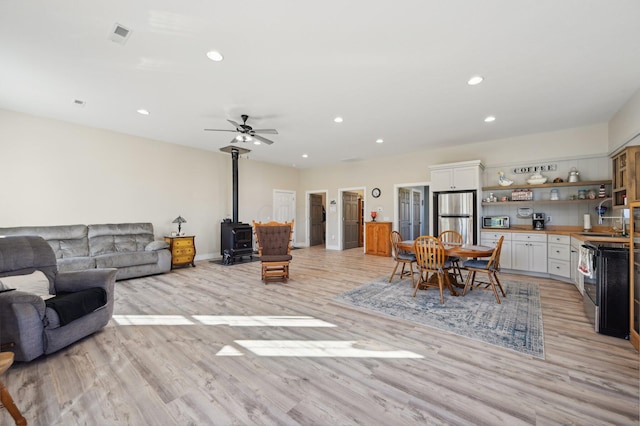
[
  {"x": 490, "y": 119},
  {"x": 476, "y": 79},
  {"x": 305, "y": 156},
  {"x": 143, "y": 112},
  {"x": 215, "y": 56},
  {"x": 379, "y": 141},
  {"x": 338, "y": 120}
]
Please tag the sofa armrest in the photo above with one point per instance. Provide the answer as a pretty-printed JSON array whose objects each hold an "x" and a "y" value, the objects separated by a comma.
[
  {"x": 69, "y": 282},
  {"x": 21, "y": 324}
]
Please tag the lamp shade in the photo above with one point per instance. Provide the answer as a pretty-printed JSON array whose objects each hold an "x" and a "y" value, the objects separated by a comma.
[{"x": 179, "y": 220}]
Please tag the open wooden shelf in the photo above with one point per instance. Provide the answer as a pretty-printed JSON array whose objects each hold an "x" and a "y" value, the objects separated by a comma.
[{"x": 546, "y": 185}]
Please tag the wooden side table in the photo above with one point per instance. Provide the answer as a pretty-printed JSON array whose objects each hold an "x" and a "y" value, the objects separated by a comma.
[{"x": 183, "y": 250}]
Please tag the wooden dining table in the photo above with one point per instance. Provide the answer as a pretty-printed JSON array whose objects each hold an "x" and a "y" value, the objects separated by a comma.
[{"x": 459, "y": 250}]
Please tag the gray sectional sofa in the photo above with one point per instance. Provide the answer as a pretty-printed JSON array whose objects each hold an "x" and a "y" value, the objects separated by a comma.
[{"x": 129, "y": 247}]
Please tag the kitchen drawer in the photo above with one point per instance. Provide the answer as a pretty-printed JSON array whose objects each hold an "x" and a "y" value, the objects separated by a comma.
[
  {"x": 559, "y": 239},
  {"x": 559, "y": 267},
  {"x": 533, "y": 238},
  {"x": 559, "y": 252},
  {"x": 495, "y": 236}
]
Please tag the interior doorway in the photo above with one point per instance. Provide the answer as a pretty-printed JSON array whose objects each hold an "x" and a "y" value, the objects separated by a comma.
[
  {"x": 317, "y": 220},
  {"x": 412, "y": 209},
  {"x": 352, "y": 214},
  {"x": 284, "y": 208}
]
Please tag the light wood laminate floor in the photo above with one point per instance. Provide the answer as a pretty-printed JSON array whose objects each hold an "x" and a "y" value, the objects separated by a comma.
[{"x": 191, "y": 370}]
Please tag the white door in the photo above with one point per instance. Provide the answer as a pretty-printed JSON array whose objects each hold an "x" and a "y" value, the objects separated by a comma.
[{"x": 284, "y": 208}]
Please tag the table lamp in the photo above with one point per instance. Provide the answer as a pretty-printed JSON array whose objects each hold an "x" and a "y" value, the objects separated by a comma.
[{"x": 179, "y": 220}]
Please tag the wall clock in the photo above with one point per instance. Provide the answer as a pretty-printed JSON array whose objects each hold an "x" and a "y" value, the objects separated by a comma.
[{"x": 375, "y": 192}]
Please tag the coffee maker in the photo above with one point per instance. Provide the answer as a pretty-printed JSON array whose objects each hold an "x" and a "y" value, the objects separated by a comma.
[{"x": 538, "y": 221}]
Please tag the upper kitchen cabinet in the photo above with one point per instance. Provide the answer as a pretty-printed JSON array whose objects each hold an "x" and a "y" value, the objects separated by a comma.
[
  {"x": 626, "y": 172},
  {"x": 461, "y": 176}
]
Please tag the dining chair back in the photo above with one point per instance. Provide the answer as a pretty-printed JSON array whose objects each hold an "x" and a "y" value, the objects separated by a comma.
[
  {"x": 491, "y": 267},
  {"x": 431, "y": 259},
  {"x": 6, "y": 360},
  {"x": 401, "y": 257},
  {"x": 452, "y": 237}
]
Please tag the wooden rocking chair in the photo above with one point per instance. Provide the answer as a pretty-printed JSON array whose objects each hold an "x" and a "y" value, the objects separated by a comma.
[{"x": 274, "y": 249}]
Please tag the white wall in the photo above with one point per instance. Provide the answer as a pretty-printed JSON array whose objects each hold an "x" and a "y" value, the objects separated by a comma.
[
  {"x": 56, "y": 173},
  {"x": 625, "y": 124},
  {"x": 590, "y": 141}
]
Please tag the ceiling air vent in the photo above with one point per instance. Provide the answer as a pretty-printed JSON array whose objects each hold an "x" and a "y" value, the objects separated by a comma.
[{"x": 119, "y": 34}]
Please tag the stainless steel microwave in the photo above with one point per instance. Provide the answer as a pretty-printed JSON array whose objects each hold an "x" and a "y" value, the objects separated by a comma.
[{"x": 496, "y": 222}]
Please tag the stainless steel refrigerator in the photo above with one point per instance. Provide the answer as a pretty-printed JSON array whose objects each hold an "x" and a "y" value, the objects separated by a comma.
[{"x": 457, "y": 211}]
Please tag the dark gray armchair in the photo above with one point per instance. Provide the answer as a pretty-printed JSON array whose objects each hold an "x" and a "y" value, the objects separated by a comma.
[{"x": 82, "y": 305}]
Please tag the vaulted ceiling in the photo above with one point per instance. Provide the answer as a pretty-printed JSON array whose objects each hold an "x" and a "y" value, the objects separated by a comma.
[{"x": 395, "y": 71}]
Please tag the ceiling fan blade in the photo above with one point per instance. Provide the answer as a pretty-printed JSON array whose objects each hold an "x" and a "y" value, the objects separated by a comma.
[
  {"x": 261, "y": 139},
  {"x": 221, "y": 130},
  {"x": 266, "y": 131},
  {"x": 236, "y": 125}
]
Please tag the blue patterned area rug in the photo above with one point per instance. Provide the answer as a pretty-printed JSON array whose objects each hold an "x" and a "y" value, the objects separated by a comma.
[{"x": 515, "y": 324}]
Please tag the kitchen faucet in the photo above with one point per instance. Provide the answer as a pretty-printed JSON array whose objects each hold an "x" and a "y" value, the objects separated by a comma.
[
  {"x": 600, "y": 212},
  {"x": 601, "y": 216}
]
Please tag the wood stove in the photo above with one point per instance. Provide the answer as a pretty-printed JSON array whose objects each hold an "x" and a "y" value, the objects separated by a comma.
[{"x": 236, "y": 238}]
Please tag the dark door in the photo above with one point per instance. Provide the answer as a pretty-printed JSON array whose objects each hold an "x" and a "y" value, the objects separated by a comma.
[
  {"x": 350, "y": 220},
  {"x": 415, "y": 217},
  {"x": 317, "y": 223},
  {"x": 404, "y": 212}
]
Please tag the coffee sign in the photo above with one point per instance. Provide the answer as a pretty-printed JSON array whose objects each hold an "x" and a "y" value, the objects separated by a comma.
[{"x": 536, "y": 169}]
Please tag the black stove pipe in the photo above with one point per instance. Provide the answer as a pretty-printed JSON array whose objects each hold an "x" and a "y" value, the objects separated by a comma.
[{"x": 234, "y": 171}]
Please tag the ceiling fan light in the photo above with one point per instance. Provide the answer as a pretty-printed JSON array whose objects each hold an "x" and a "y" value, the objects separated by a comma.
[{"x": 256, "y": 142}]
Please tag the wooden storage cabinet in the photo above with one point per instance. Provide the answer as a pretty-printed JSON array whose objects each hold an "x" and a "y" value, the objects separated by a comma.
[
  {"x": 559, "y": 255},
  {"x": 634, "y": 275},
  {"x": 529, "y": 252},
  {"x": 378, "y": 238},
  {"x": 626, "y": 172},
  {"x": 183, "y": 250}
]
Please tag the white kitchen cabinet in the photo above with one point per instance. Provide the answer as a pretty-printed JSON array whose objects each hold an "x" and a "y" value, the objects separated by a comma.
[
  {"x": 456, "y": 176},
  {"x": 529, "y": 252},
  {"x": 559, "y": 255},
  {"x": 490, "y": 239},
  {"x": 576, "y": 277}
]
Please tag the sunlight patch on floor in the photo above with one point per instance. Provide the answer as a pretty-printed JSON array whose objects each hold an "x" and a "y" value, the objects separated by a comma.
[
  {"x": 228, "y": 320},
  {"x": 319, "y": 348}
]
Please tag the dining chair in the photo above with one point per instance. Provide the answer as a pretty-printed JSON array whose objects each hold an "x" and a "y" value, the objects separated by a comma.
[
  {"x": 491, "y": 267},
  {"x": 453, "y": 237},
  {"x": 401, "y": 256},
  {"x": 431, "y": 259},
  {"x": 6, "y": 360}
]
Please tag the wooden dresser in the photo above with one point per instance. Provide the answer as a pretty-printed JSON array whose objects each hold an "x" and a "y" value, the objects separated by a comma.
[
  {"x": 378, "y": 240},
  {"x": 183, "y": 250}
]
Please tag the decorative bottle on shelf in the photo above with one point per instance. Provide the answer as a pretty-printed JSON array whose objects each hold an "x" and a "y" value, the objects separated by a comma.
[{"x": 602, "y": 193}]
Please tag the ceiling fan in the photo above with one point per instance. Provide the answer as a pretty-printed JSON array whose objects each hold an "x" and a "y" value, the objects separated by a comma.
[{"x": 246, "y": 132}]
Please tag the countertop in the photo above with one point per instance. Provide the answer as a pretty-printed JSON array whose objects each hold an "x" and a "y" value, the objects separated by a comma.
[{"x": 573, "y": 231}]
